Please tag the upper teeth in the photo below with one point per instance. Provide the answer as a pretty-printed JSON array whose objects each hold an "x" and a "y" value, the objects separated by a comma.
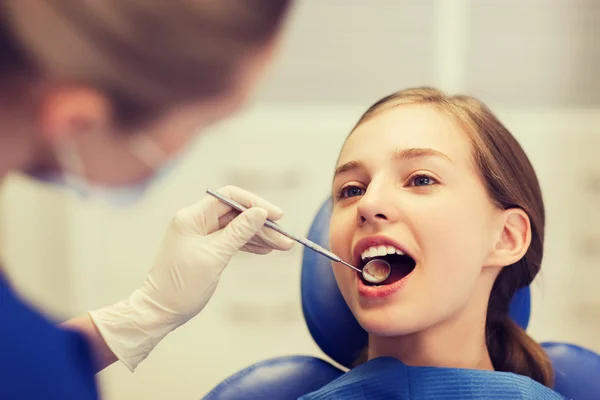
[{"x": 380, "y": 250}]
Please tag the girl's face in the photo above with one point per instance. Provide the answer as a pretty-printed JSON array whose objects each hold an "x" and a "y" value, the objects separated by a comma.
[{"x": 406, "y": 183}]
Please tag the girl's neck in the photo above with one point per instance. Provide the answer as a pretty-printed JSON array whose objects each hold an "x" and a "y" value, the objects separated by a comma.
[
  {"x": 457, "y": 342},
  {"x": 436, "y": 347}
]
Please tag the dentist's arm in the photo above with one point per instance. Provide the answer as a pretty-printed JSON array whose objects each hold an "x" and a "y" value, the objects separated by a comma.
[
  {"x": 102, "y": 354},
  {"x": 198, "y": 245}
]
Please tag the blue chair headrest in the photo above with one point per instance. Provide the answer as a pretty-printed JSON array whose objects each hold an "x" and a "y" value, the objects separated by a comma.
[
  {"x": 576, "y": 370},
  {"x": 329, "y": 320}
]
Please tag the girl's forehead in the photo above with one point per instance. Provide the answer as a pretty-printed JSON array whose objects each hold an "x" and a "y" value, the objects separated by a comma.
[{"x": 407, "y": 127}]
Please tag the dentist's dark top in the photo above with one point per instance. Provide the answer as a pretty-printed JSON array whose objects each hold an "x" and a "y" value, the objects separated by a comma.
[{"x": 39, "y": 360}]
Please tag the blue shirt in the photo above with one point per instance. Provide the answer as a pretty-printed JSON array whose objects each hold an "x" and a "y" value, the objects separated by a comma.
[{"x": 39, "y": 360}]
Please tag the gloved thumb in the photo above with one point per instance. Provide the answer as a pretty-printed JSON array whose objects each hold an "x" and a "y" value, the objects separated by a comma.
[{"x": 243, "y": 227}]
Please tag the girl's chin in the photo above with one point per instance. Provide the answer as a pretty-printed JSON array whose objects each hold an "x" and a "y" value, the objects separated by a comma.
[
  {"x": 378, "y": 324},
  {"x": 376, "y": 328}
]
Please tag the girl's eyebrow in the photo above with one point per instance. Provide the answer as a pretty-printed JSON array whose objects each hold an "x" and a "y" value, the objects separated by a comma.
[
  {"x": 414, "y": 153},
  {"x": 399, "y": 155}
]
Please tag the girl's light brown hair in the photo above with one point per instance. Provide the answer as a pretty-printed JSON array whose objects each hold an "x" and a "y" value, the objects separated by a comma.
[
  {"x": 146, "y": 55},
  {"x": 511, "y": 182}
]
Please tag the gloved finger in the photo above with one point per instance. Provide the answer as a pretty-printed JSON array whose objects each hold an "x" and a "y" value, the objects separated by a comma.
[
  {"x": 227, "y": 218},
  {"x": 243, "y": 228},
  {"x": 246, "y": 199},
  {"x": 269, "y": 238},
  {"x": 265, "y": 237},
  {"x": 203, "y": 216},
  {"x": 255, "y": 249}
]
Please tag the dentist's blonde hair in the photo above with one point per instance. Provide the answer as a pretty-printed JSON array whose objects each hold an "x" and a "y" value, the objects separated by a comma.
[{"x": 511, "y": 182}]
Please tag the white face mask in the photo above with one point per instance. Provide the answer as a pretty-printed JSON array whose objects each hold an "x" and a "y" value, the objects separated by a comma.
[{"x": 73, "y": 173}]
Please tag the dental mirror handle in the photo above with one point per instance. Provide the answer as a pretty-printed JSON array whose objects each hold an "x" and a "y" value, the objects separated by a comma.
[{"x": 305, "y": 242}]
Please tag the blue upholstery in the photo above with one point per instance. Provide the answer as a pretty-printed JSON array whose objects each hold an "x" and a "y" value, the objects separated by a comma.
[
  {"x": 279, "y": 378},
  {"x": 339, "y": 335},
  {"x": 576, "y": 370}
]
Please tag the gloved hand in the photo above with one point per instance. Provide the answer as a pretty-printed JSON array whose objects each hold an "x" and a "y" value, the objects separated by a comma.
[{"x": 198, "y": 245}]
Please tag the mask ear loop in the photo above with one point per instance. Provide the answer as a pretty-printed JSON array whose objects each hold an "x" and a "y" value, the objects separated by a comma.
[
  {"x": 69, "y": 159},
  {"x": 72, "y": 168},
  {"x": 148, "y": 152}
]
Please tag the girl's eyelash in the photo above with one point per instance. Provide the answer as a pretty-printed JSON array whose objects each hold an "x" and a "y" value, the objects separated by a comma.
[
  {"x": 340, "y": 193},
  {"x": 432, "y": 181}
]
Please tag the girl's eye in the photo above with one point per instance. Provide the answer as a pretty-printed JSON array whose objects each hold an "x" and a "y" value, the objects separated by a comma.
[
  {"x": 350, "y": 191},
  {"x": 422, "y": 180}
]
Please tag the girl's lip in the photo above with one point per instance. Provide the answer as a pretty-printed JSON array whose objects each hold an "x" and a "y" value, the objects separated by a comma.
[{"x": 379, "y": 291}]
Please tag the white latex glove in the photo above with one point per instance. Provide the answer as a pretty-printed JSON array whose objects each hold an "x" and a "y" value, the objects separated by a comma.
[{"x": 198, "y": 245}]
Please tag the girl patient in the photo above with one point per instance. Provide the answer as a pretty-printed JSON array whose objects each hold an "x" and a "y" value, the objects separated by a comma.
[{"x": 438, "y": 187}]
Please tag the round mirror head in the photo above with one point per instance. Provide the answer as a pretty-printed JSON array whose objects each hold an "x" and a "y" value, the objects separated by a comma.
[{"x": 376, "y": 271}]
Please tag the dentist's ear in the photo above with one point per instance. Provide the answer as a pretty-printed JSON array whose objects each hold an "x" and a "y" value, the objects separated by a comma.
[
  {"x": 67, "y": 111},
  {"x": 513, "y": 241}
]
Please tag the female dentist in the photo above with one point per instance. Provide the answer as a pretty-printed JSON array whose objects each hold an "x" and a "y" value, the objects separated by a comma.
[{"x": 99, "y": 96}]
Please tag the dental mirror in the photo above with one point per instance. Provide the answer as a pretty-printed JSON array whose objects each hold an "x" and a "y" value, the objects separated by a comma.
[{"x": 376, "y": 271}]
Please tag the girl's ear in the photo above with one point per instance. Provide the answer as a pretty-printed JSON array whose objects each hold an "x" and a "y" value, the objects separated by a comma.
[{"x": 513, "y": 241}]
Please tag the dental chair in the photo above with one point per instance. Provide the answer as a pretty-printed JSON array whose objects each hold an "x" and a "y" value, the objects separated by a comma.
[{"x": 338, "y": 334}]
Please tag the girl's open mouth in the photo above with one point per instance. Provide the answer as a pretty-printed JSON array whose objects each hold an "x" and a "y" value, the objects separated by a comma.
[{"x": 402, "y": 266}]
